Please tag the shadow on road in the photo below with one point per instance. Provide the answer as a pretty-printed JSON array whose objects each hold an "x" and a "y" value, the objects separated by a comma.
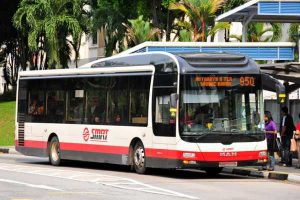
[{"x": 169, "y": 173}]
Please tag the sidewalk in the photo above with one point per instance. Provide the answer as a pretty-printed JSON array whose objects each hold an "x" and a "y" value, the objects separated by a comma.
[{"x": 281, "y": 173}]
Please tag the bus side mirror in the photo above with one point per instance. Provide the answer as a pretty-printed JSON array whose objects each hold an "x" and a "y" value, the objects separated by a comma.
[{"x": 173, "y": 100}]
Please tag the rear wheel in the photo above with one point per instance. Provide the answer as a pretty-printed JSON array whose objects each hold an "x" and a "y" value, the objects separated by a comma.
[
  {"x": 54, "y": 152},
  {"x": 139, "y": 158},
  {"x": 213, "y": 171}
]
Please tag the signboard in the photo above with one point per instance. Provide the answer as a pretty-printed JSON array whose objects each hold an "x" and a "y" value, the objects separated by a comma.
[{"x": 225, "y": 81}]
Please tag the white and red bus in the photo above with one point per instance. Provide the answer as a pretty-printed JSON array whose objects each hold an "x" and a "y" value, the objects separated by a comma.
[{"x": 156, "y": 110}]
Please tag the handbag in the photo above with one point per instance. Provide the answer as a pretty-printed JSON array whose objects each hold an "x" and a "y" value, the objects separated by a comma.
[
  {"x": 293, "y": 145},
  {"x": 277, "y": 145}
]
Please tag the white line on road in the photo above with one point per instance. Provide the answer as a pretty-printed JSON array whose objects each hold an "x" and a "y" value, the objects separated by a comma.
[
  {"x": 30, "y": 185},
  {"x": 112, "y": 181}
]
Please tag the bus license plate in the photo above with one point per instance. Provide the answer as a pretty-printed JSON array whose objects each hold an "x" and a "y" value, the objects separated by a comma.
[{"x": 227, "y": 164}]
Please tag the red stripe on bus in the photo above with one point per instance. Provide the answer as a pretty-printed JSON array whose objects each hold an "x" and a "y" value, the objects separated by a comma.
[
  {"x": 155, "y": 153},
  {"x": 205, "y": 156},
  {"x": 35, "y": 144}
]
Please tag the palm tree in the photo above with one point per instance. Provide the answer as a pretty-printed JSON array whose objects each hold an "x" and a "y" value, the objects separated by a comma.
[
  {"x": 203, "y": 10},
  {"x": 140, "y": 31},
  {"x": 109, "y": 16},
  {"x": 50, "y": 23},
  {"x": 257, "y": 33}
]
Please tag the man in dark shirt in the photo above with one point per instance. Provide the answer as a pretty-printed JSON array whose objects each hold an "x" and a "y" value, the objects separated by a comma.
[{"x": 287, "y": 128}]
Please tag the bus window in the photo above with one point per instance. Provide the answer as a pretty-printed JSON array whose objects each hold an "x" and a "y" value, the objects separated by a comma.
[
  {"x": 118, "y": 102},
  {"x": 96, "y": 100},
  {"x": 36, "y": 105},
  {"x": 163, "y": 125},
  {"x": 139, "y": 97},
  {"x": 75, "y": 106},
  {"x": 55, "y": 106}
]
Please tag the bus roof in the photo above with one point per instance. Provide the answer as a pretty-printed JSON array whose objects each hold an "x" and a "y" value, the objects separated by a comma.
[
  {"x": 85, "y": 72},
  {"x": 184, "y": 62}
]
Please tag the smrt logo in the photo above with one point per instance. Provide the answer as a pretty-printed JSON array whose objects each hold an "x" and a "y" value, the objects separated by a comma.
[
  {"x": 99, "y": 135},
  {"x": 86, "y": 134}
]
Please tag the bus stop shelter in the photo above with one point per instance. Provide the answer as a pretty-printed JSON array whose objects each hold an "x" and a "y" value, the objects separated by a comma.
[
  {"x": 267, "y": 11},
  {"x": 263, "y": 11},
  {"x": 288, "y": 72}
]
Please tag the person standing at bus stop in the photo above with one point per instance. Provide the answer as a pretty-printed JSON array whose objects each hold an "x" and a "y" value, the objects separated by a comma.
[
  {"x": 297, "y": 138},
  {"x": 287, "y": 129},
  {"x": 271, "y": 134}
]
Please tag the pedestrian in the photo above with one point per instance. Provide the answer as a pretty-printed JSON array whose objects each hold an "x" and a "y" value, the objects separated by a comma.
[
  {"x": 287, "y": 129},
  {"x": 297, "y": 138},
  {"x": 271, "y": 134}
]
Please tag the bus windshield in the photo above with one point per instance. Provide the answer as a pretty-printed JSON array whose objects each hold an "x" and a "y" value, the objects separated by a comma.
[{"x": 220, "y": 104}]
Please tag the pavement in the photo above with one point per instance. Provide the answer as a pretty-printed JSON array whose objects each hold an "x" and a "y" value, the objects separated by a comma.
[{"x": 282, "y": 173}]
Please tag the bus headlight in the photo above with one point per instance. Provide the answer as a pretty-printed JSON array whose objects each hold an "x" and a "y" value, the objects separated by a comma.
[
  {"x": 262, "y": 154},
  {"x": 188, "y": 155}
]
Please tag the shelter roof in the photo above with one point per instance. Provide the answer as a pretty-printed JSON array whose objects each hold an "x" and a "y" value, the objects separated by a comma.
[{"x": 284, "y": 11}]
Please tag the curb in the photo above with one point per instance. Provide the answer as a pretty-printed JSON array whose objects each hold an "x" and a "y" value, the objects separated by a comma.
[
  {"x": 8, "y": 150},
  {"x": 263, "y": 174},
  {"x": 4, "y": 150}
]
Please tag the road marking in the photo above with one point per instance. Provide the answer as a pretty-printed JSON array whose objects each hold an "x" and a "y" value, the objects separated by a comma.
[
  {"x": 102, "y": 179},
  {"x": 30, "y": 185}
]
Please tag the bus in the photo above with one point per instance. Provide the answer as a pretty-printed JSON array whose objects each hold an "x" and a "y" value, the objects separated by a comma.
[{"x": 146, "y": 110}]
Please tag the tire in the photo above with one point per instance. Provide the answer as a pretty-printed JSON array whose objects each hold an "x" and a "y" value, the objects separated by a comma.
[
  {"x": 213, "y": 171},
  {"x": 139, "y": 158},
  {"x": 54, "y": 152}
]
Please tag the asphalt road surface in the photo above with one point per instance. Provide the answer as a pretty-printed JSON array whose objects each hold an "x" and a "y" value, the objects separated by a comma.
[{"x": 31, "y": 178}]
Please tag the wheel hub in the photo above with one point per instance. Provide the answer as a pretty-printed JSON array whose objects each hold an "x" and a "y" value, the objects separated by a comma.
[{"x": 139, "y": 157}]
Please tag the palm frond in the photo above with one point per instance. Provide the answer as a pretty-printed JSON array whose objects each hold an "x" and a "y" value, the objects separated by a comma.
[{"x": 219, "y": 26}]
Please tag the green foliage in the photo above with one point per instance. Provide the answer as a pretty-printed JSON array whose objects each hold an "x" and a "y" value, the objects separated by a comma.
[
  {"x": 140, "y": 31},
  {"x": 109, "y": 15},
  {"x": 49, "y": 23},
  {"x": 185, "y": 36},
  {"x": 257, "y": 33},
  {"x": 219, "y": 26},
  {"x": 231, "y": 4},
  {"x": 10, "y": 95},
  {"x": 293, "y": 32},
  {"x": 7, "y": 121},
  {"x": 166, "y": 3},
  {"x": 200, "y": 13}
]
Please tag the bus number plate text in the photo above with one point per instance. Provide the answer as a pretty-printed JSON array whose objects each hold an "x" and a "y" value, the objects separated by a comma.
[{"x": 227, "y": 164}]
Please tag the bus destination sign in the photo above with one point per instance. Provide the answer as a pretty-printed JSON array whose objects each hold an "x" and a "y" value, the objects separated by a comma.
[{"x": 225, "y": 81}]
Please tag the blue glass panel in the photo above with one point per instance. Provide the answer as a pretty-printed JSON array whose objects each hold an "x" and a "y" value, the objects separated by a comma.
[
  {"x": 290, "y": 7},
  {"x": 268, "y": 8}
]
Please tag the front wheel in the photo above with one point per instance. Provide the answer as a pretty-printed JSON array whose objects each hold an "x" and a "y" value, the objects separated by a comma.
[
  {"x": 139, "y": 158},
  {"x": 54, "y": 152}
]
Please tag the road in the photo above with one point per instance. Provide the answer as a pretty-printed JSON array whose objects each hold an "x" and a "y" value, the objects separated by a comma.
[{"x": 30, "y": 178}]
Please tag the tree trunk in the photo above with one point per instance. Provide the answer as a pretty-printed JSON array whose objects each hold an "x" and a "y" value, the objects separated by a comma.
[
  {"x": 154, "y": 13},
  {"x": 195, "y": 31},
  {"x": 203, "y": 25}
]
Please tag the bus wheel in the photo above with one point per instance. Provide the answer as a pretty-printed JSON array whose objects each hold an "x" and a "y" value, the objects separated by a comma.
[
  {"x": 139, "y": 158},
  {"x": 54, "y": 152},
  {"x": 213, "y": 171}
]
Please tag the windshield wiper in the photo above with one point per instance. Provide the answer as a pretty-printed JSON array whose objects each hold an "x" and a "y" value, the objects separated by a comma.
[{"x": 202, "y": 135}]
